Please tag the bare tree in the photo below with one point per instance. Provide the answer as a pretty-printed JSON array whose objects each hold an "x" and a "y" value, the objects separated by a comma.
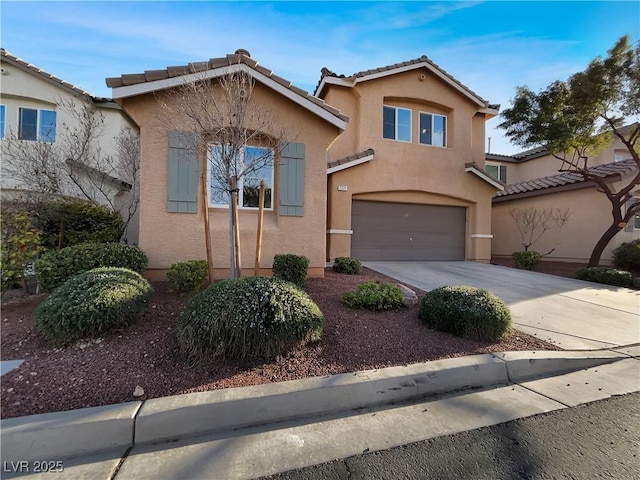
[
  {"x": 533, "y": 223},
  {"x": 235, "y": 137}
]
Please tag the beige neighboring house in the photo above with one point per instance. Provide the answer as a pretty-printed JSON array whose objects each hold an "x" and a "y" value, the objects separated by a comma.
[
  {"x": 534, "y": 180},
  {"x": 30, "y": 100},
  {"x": 171, "y": 208},
  {"x": 407, "y": 179}
]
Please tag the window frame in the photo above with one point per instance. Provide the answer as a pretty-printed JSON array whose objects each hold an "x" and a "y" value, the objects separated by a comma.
[
  {"x": 270, "y": 183},
  {"x": 433, "y": 115},
  {"x": 396, "y": 108},
  {"x": 3, "y": 119},
  {"x": 494, "y": 164},
  {"x": 38, "y": 125}
]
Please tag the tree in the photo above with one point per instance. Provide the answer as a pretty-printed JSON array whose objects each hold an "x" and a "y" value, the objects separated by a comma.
[
  {"x": 232, "y": 133},
  {"x": 75, "y": 166},
  {"x": 533, "y": 223},
  {"x": 577, "y": 118}
]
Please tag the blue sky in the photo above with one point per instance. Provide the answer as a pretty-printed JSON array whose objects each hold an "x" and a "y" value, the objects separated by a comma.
[{"x": 491, "y": 47}]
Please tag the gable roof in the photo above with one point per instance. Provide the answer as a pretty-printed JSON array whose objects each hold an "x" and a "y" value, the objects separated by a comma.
[
  {"x": 542, "y": 185},
  {"x": 329, "y": 77},
  {"x": 129, "y": 85},
  {"x": 350, "y": 161},
  {"x": 525, "y": 156}
]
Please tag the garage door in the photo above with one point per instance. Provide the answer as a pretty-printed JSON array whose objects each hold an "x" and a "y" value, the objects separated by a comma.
[{"x": 407, "y": 231}]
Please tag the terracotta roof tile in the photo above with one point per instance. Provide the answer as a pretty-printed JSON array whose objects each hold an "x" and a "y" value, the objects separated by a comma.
[
  {"x": 133, "y": 79},
  {"x": 178, "y": 70},
  {"x": 152, "y": 75},
  {"x": 351, "y": 158}
]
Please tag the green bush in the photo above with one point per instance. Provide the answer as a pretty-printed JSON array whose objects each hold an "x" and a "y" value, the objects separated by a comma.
[
  {"x": 627, "y": 255},
  {"x": 79, "y": 222},
  {"x": 54, "y": 267},
  {"x": 606, "y": 275},
  {"x": 466, "y": 312},
  {"x": 292, "y": 268},
  {"x": 526, "y": 260},
  {"x": 19, "y": 245},
  {"x": 348, "y": 265},
  {"x": 188, "y": 277},
  {"x": 373, "y": 295},
  {"x": 91, "y": 304},
  {"x": 248, "y": 317}
]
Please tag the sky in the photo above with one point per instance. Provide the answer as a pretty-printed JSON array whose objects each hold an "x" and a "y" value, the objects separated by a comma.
[{"x": 491, "y": 47}]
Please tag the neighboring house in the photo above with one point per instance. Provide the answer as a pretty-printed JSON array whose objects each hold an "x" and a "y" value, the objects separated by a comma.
[
  {"x": 30, "y": 100},
  {"x": 535, "y": 179},
  {"x": 407, "y": 179},
  {"x": 171, "y": 208}
]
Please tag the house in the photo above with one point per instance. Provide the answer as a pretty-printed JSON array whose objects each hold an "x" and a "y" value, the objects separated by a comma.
[
  {"x": 35, "y": 109},
  {"x": 535, "y": 180},
  {"x": 407, "y": 179},
  {"x": 171, "y": 202}
]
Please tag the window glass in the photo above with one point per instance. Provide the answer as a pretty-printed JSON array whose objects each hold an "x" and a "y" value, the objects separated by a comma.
[
  {"x": 2, "y": 114},
  {"x": 425, "y": 128},
  {"x": 47, "y": 129},
  {"x": 389, "y": 122},
  {"x": 439, "y": 130},
  {"x": 494, "y": 171},
  {"x": 28, "y": 124},
  {"x": 250, "y": 195},
  {"x": 636, "y": 223},
  {"x": 218, "y": 194},
  {"x": 404, "y": 125}
]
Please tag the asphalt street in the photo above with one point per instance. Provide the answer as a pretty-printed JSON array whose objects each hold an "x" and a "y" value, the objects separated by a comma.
[{"x": 596, "y": 440}]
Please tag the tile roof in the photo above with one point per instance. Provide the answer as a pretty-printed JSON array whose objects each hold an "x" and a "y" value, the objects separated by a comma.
[
  {"x": 325, "y": 72},
  {"x": 241, "y": 56},
  {"x": 351, "y": 158},
  {"x": 606, "y": 170},
  {"x": 48, "y": 76}
]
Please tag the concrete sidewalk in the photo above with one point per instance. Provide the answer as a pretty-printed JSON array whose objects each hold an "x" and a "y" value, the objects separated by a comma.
[
  {"x": 255, "y": 431},
  {"x": 573, "y": 314}
]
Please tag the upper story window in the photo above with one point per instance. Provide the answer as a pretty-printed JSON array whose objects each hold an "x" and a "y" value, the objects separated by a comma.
[
  {"x": 36, "y": 124},
  {"x": 396, "y": 123},
  {"x": 249, "y": 185},
  {"x": 497, "y": 171},
  {"x": 433, "y": 129},
  {"x": 2, "y": 114}
]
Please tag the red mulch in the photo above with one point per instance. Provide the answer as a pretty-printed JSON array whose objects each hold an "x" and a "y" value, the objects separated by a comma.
[{"x": 107, "y": 370}]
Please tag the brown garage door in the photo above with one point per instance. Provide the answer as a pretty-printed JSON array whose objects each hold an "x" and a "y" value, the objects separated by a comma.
[{"x": 407, "y": 231}]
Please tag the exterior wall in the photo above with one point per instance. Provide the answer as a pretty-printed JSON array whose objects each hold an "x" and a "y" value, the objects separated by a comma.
[
  {"x": 574, "y": 242},
  {"x": 167, "y": 238},
  {"x": 409, "y": 172}
]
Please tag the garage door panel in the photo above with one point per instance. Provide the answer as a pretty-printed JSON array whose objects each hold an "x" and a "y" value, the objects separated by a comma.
[{"x": 398, "y": 231}]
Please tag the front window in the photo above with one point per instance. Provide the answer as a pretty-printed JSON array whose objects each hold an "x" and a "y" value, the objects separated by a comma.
[
  {"x": 257, "y": 159},
  {"x": 636, "y": 221},
  {"x": 433, "y": 129},
  {"x": 499, "y": 172},
  {"x": 37, "y": 124},
  {"x": 2, "y": 114},
  {"x": 396, "y": 123}
]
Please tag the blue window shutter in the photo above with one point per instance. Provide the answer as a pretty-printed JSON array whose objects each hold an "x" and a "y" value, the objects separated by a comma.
[
  {"x": 503, "y": 173},
  {"x": 291, "y": 178},
  {"x": 182, "y": 174}
]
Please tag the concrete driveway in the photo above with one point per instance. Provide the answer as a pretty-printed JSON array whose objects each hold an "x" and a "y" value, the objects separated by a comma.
[{"x": 572, "y": 314}]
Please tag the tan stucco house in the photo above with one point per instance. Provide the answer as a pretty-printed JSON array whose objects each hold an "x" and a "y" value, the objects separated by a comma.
[
  {"x": 406, "y": 180},
  {"x": 171, "y": 210},
  {"x": 535, "y": 180}
]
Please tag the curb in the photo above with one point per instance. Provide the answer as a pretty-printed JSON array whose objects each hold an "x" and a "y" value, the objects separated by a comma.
[{"x": 92, "y": 430}]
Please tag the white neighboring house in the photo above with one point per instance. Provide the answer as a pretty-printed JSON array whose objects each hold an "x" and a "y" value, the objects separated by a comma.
[{"x": 31, "y": 110}]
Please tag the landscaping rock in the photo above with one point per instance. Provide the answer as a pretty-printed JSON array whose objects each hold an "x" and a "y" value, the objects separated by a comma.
[
  {"x": 138, "y": 392},
  {"x": 409, "y": 297}
]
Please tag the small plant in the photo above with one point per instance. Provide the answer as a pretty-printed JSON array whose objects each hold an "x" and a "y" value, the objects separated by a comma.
[
  {"x": 526, "y": 260},
  {"x": 627, "y": 255},
  {"x": 248, "y": 317},
  {"x": 292, "y": 268},
  {"x": 348, "y": 265},
  {"x": 606, "y": 275},
  {"x": 188, "y": 277},
  {"x": 466, "y": 312},
  {"x": 91, "y": 304},
  {"x": 55, "y": 267},
  {"x": 373, "y": 295},
  {"x": 19, "y": 245}
]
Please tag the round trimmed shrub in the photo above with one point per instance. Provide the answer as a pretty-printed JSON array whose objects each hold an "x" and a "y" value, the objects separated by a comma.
[
  {"x": 373, "y": 295},
  {"x": 466, "y": 312},
  {"x": 188, "y": 277},
  {"x": 606, "y": 275},
  {"x": 248, "y": 317},
  {"x": 526, "y": 260},
  {"x": 627, "y": 255},
  {"x": 55, "y": 267},
  {"x": 348, "y": 265},
  {"x": 91, "y": 304},
  {"x": 290, "y": 267}
]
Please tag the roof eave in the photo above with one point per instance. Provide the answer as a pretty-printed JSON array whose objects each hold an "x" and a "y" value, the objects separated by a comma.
[
  {"x": 329, "y": 80},
  {"x": 350, "y": 164},
  {"x": 484, "y": 176}
]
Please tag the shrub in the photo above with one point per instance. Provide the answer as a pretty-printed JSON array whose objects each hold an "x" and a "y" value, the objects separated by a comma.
[
  {"x": 19, "y": 244},
  {"x": 526, "y": 260},
  {"x": 188, "y": 277},
  {"x": 627, "y": 255},
  {"x": 79, "y": 222},
  {"x": 54, "y": 267},
  {"x": 246, "y": 317},
  {"x": 466, "y": 312},
  {"x": 92, "y": 303},
  {"x": 292, "y": 268},
  {"x": 348, "y": 265},
  {"x": 373, "y": 295},
  {"x": 606, "y": 275}
]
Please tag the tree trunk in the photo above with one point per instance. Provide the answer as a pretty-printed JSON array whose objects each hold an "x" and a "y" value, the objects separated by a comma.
[{"x": 606, "y": 237}]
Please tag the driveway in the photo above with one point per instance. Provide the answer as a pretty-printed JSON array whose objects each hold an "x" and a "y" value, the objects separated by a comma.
[{"x": 572, "y": 314}]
